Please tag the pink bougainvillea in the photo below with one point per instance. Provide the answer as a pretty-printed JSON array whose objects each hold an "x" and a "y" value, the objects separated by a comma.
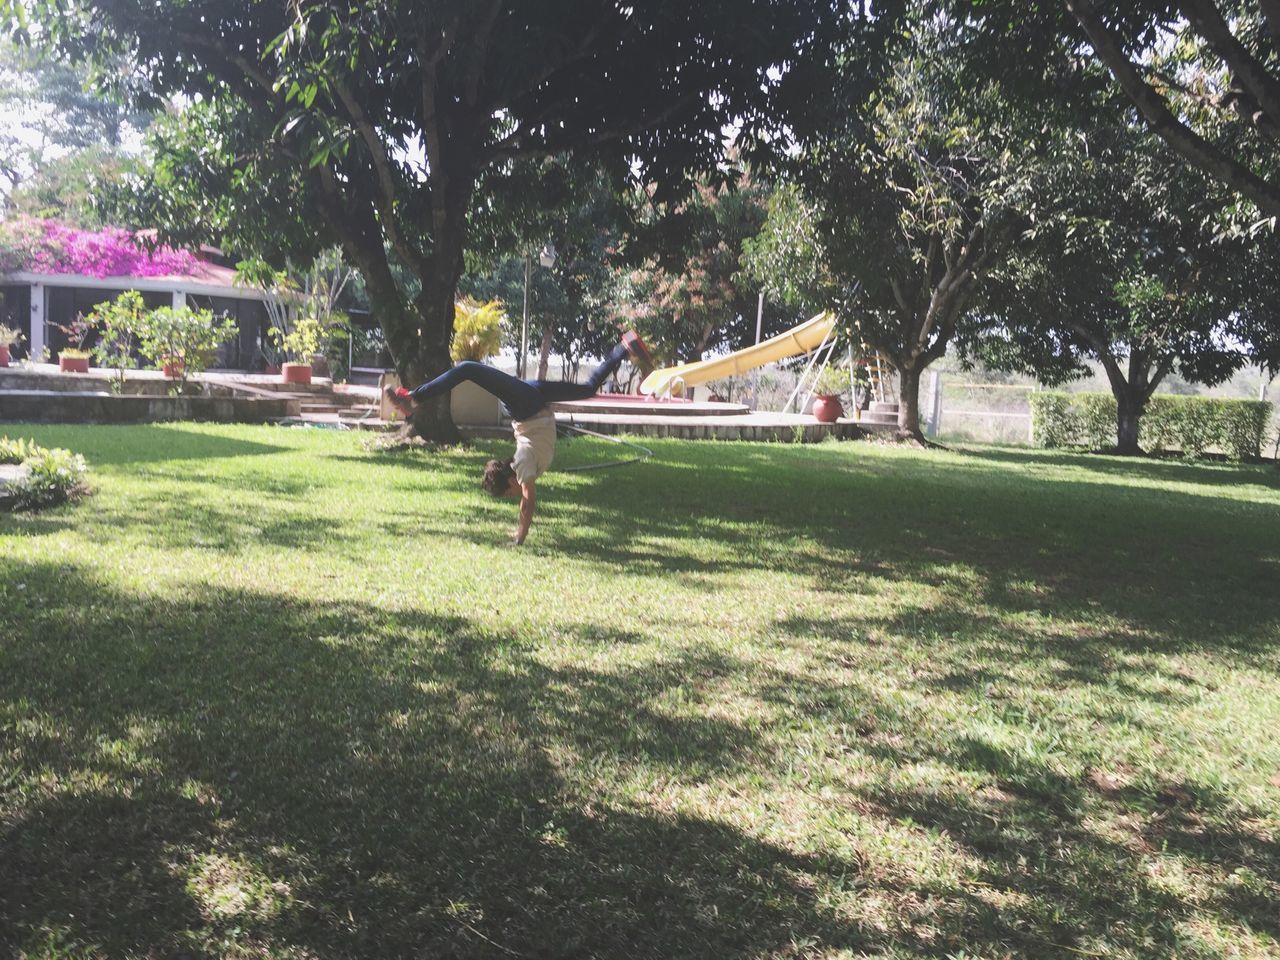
[{"x": 45, "y": 246}]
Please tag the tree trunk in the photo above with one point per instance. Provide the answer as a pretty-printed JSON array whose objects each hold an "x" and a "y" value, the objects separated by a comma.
[
  {"x": 909, "y": 402},
  {"x": 430, "y": 355},
  {"x": 544, "y": 351},
  {"x": 1128, "y": 415}
]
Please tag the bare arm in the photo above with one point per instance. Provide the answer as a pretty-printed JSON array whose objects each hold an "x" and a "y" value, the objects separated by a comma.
[{"x": 528, "y": 500}]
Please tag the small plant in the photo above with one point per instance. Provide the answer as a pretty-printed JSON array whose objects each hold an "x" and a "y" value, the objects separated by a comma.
[
  {"x": 831, "y": 382},
  {"x": 302, "y": 342},
  {"x": 182, "y": 339},
  {"x": 118, "y": 322},
  {"x": 9, "y": 336},
  {"x": 51, "y": 476},
  {"x": 78, "y": 332},
  {"x": 75, "y": 353},
  {"x": 477, "y": 329},
  {"x": 15, "y": 451}
]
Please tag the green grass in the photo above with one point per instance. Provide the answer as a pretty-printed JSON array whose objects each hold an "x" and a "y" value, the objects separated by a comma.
[{"x": 269, "y": 694}]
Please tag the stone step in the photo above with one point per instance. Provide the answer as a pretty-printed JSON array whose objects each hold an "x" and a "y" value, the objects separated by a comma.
[{"x": 884, "y": 406}]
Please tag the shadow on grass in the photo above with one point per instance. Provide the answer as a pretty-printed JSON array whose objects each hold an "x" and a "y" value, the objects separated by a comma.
[{"x": 348, "y": 781}]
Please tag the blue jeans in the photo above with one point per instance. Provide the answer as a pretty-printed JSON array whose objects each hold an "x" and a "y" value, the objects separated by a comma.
[{"x": 521, "y": 398}]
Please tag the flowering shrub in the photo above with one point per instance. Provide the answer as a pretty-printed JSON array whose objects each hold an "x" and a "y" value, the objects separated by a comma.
[{"x": 45, "y": 246}]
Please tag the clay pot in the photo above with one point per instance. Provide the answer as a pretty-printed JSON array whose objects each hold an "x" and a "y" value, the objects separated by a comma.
[
  {"x": 73, "y": 364},
  {"x": 828, "y": 409},
  {"x": 296, "y": 372},
  {"x": 4, "y": 356},
  {"x": 173, "y": 369}
]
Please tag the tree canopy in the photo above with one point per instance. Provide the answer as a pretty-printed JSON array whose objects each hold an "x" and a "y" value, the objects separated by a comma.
[
  {"x": 908, "y": 194},
  {"x": 371, "y": 124}
]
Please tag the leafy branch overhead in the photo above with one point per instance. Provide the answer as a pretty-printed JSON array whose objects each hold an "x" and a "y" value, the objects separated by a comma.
[{"x": 370, "y": 125}]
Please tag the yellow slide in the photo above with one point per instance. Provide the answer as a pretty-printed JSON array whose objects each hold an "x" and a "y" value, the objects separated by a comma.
[{"x": 808, "y": 336}]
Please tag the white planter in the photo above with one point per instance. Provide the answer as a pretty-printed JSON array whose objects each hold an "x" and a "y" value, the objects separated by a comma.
[
  {"x": 473, "y": 406},
  {"x": 469, "y": 405}
]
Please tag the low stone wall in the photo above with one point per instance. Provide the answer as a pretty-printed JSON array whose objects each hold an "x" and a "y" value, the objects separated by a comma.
[
  {"x": 60, "y": 406},
  {"x": 95, "y": 382}
]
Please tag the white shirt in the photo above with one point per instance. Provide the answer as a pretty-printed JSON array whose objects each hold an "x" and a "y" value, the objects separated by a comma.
[{"x": 535, "y": 445}]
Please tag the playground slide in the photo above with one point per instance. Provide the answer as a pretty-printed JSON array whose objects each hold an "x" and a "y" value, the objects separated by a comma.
[{"x": 802, "y": 339}]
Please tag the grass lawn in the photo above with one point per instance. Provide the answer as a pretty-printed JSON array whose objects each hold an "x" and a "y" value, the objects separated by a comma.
[{"x": 270, "y": 694}]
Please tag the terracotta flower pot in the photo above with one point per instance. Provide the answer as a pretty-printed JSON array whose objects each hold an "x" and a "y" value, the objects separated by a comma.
[
  {"x": 828, "y": 409},
  {"x": 4, "y": 356},
  {"x": 173, "y": 369},
  {"x": 296, "y": 372},
  {"x": 73, "y": 364}
]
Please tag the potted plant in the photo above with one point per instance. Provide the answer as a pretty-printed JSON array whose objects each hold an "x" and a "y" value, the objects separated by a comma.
[
  {"x": 477, "y": 335},
  {"x": 9, "y": 337},
  {"x": 75, "y": 358},
  {"x": 117, "y": 322},
  {"x": 831, "y": 382},
  {"x": 300, "y": 343},
  {"x": 181, "y": 341},
  {"x": 303, "y": 309}
]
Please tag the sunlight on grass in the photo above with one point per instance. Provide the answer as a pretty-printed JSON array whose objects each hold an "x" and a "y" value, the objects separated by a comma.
[{"x": 270, "y": 694}]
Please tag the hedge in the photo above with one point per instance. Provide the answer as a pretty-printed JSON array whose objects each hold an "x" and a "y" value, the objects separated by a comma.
[{"x": 1190, "y": 424}]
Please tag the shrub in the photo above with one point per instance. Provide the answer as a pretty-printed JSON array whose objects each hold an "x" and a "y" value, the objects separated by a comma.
[
  {"x": 52, "y": 476},
  {"x": 1192, "y": 424},
  {"x": 1197, "y": 425},
  {"x": 1097, "y": 419},
  {"x": 477, "y": 329},
  {"x": 9, "y": 336},
  {"x": 118, "y": 322},
  {"x": 15, "y": 451},
  {"x": 1159, "y": 428},
  {"x": 1052, "y": 421},
  {"x": 183, "y": 338},
  {"x": 1244, "y": 425}
]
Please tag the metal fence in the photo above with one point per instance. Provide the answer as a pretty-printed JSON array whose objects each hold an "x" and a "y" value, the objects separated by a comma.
[{"x": 954, "y": 409}]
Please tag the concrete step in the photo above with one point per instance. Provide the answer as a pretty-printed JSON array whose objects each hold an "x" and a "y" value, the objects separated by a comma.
[{"x": 884, "y": 406}]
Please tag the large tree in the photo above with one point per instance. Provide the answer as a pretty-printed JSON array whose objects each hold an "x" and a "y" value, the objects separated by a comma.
[
  {"x": 910, "y": 191},
  {"x": 1132, "y": 272},
  {"x": 372, "y": 124}
]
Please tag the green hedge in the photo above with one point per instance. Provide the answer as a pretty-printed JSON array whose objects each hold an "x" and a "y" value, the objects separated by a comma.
[{"x": 1190, "y": 424}]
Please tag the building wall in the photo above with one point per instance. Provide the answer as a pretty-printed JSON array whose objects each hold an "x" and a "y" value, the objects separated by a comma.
[{"x": 63, "y": 304}]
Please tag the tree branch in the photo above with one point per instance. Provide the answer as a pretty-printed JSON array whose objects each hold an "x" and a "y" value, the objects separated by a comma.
[
  {"x": 385, "y": 190},
  {"x": 1207, "y": 21},
  {"x": 247, "y": 67},
  {"x": 1271, "y": 13},
  {"x": 1236, "y": 100},
  {"x": 1193, "y": 147}
]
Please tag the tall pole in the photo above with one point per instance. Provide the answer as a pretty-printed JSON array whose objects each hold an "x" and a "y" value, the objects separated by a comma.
[
  {"x": 524, "y": 324},
  {"x": 755, "y": 374}
]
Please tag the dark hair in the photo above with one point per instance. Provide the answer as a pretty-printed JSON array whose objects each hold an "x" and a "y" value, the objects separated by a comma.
[{"x": 498, "y": 475}]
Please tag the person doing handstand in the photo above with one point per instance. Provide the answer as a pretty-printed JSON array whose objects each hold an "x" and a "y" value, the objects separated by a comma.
[{"x": 532, "y": 422}]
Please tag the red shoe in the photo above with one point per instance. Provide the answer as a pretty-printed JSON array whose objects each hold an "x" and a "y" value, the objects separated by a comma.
[
  {"x": 399, "y": 398},
  {"x": 638, "y": 352}
]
